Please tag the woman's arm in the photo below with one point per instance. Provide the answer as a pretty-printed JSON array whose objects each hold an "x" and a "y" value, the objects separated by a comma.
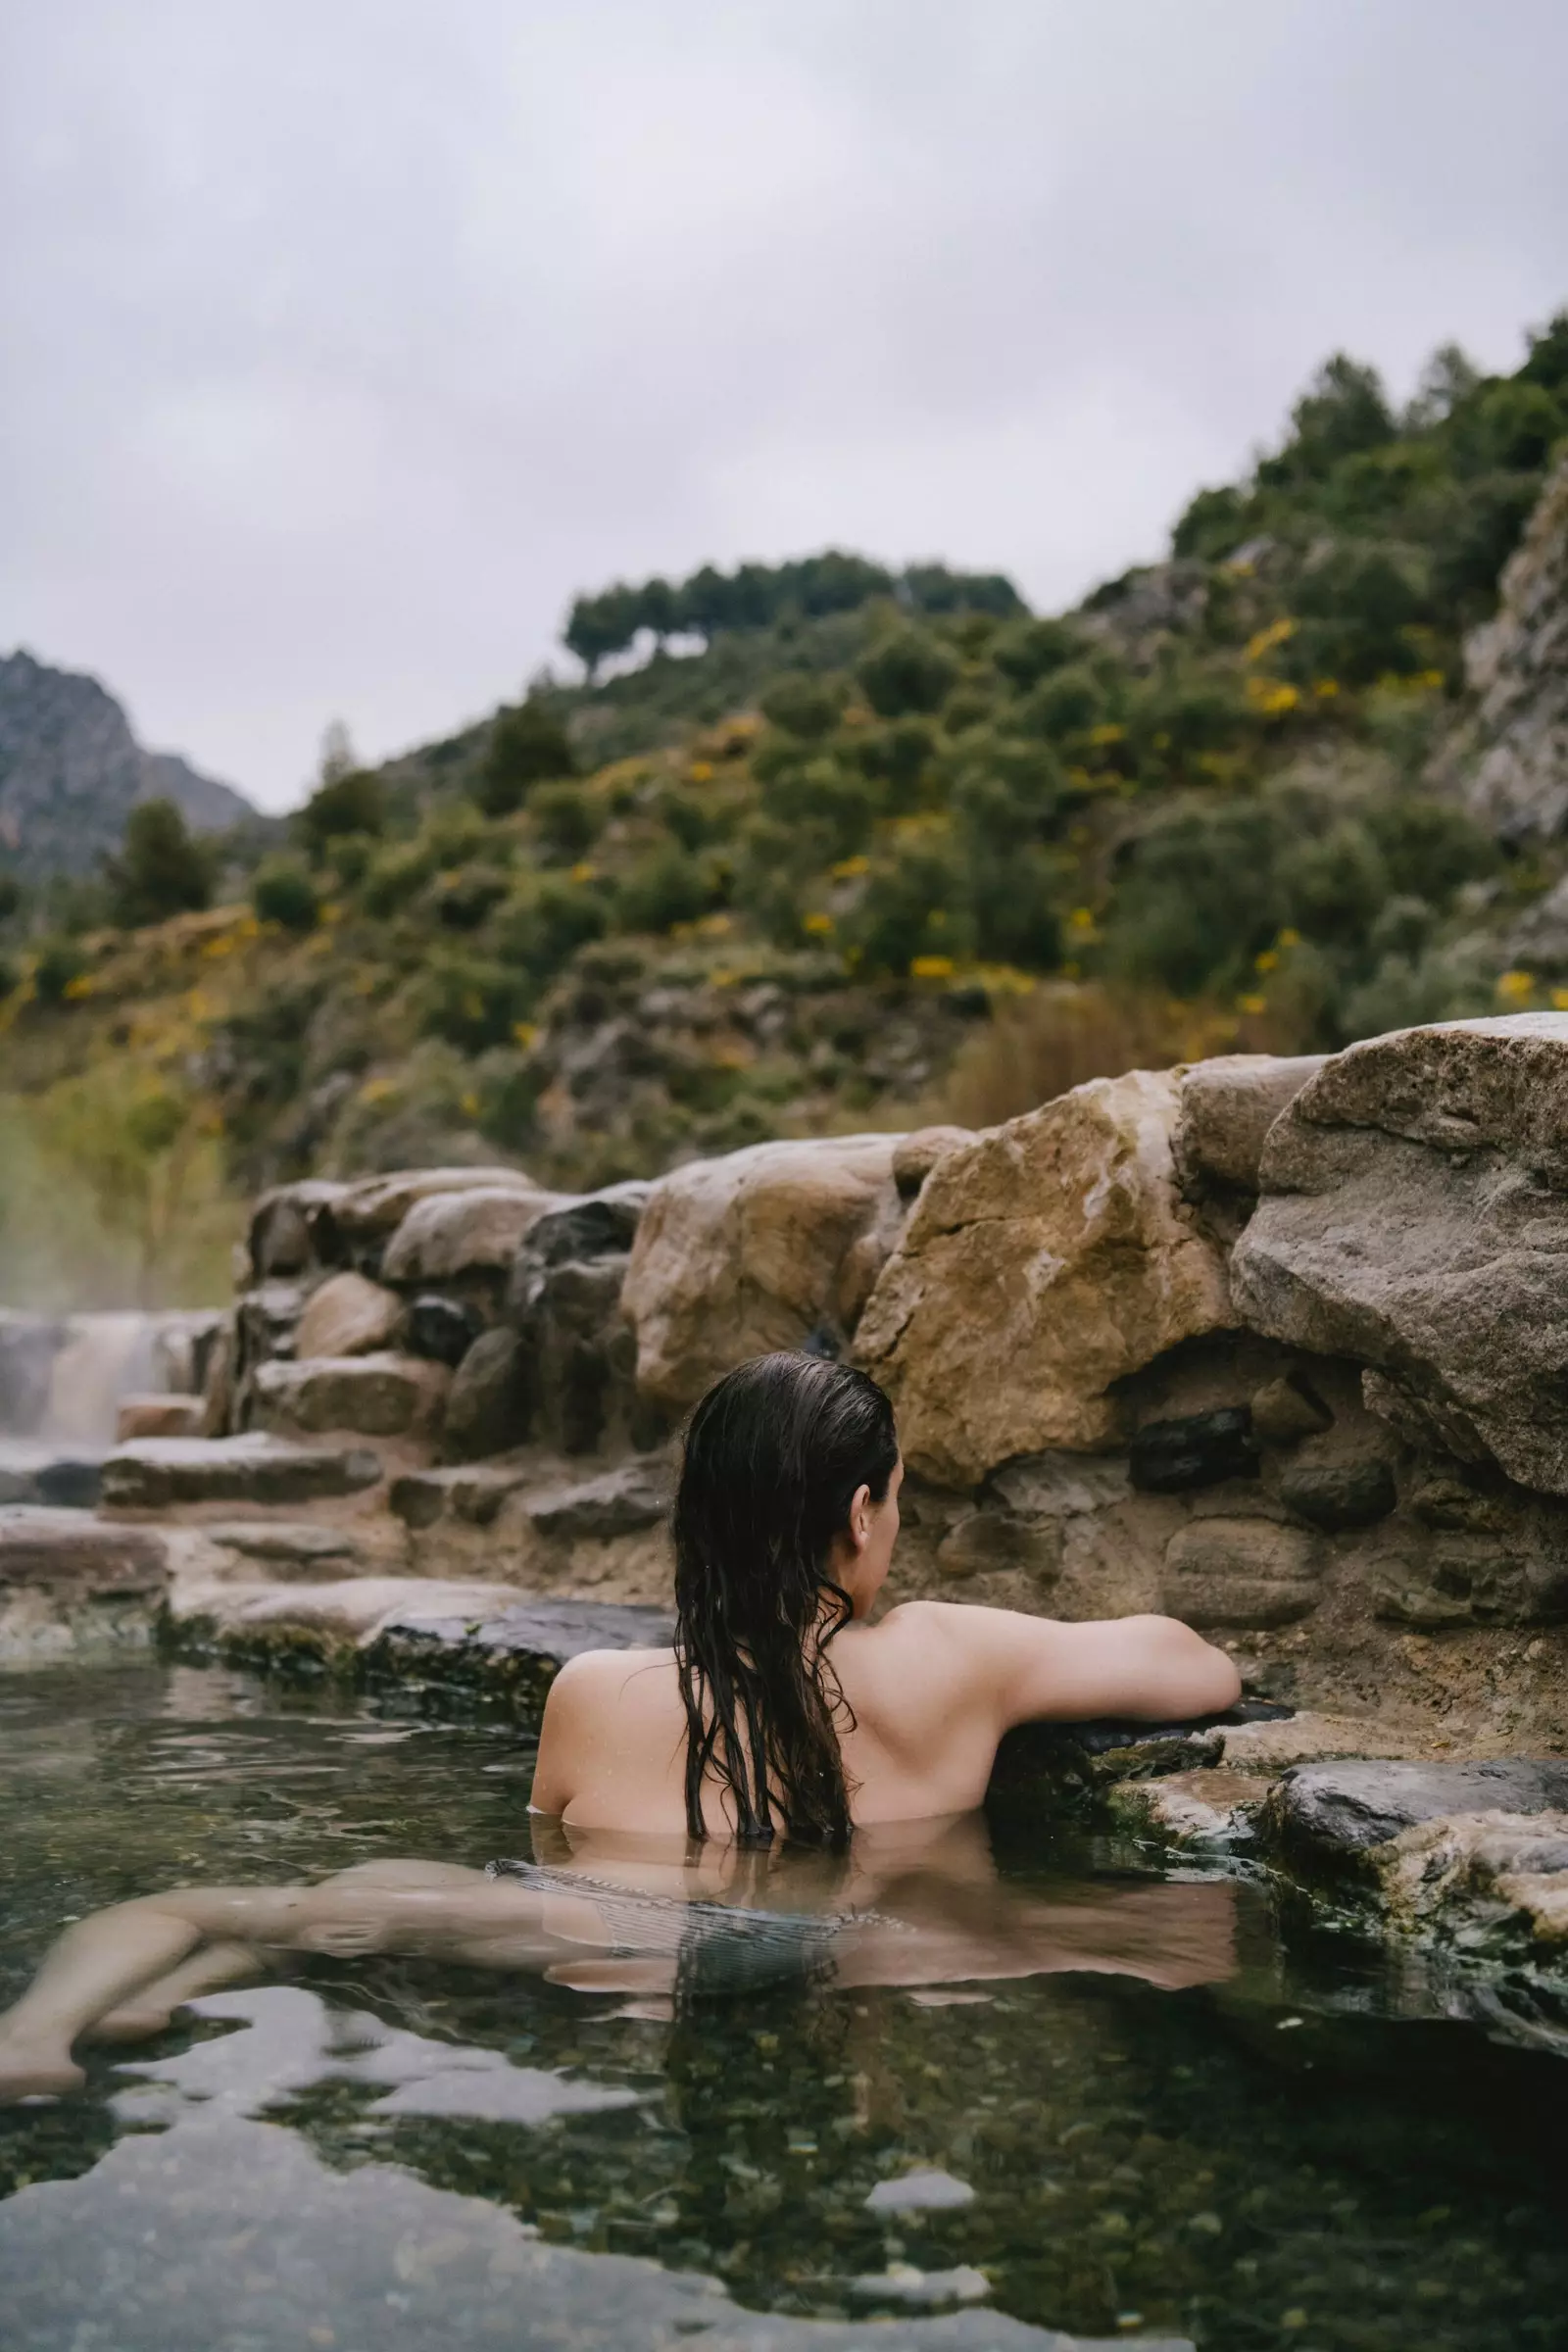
[{"x": 1153, "y": 1668}]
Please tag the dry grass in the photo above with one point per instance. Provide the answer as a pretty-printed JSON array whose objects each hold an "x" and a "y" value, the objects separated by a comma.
[{"x": 1037, "y": 1046}]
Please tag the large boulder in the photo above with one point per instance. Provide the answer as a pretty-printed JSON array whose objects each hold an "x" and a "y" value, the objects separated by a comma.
[
  {"x": 373, "y": 1396},
  {"x": 451, "y": 1234},
  {"x": 1415, "y": 1217},
  {"x": 1040, "y": 1265},
  {"x": 772, "y": 1247},
  {"x": 365, "y": 1213}
]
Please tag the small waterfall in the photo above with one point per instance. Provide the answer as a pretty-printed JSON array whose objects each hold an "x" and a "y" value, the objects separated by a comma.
[{"x": 103, "y": 1358}]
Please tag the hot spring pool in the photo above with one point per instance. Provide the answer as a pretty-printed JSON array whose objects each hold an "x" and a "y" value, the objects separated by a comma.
[{"x": 391, "y": 2154}]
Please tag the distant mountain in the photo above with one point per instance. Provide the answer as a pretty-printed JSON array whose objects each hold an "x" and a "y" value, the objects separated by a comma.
[{"x": 70, "y": 771}]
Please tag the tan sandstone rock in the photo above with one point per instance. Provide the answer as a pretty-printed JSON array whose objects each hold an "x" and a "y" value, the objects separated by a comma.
[
  {"x": 373, "y": 1396},
  {"x": 159, "y": 1416},
  {"x": 1041, "y": 1263},
  {"x": 377, "y": 1204},
  {"x": 347, "y": 1316},
  {"x": 455, "y": 1233},
  {"x": 739, "y": 1255}
]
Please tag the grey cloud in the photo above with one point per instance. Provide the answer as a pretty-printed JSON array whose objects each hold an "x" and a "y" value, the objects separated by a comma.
[{"x": 345, "y": 343}]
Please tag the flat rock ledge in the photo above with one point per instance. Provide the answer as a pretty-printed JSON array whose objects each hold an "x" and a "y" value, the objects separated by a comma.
[
  {"x": 435, "y": 1642},
  {"x": 157, "y": 1473}
]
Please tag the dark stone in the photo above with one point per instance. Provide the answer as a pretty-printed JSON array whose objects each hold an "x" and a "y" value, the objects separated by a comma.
[
  {"x": 515, "y": 1654},
  {"x": 1201, "y": 1449},
  {"x": 1337, "y": 1495},
  {"x": 619, "y": 1502},
  {"x": 441, "y": 1329},
  {"x": 1072, "y": 1760},
  {"x": 31, "y": 1470},
  {"x": 71, "y": 1485},
  {"x": 1345, "y": 1808},
  {"x": 600, "y": 1225},
  {"x": 473, "y": 1494},
  {"x": 158, "y": 1471},
  {"x": 488, "y": 1405},
  {"x": 564, "y": 1299}
]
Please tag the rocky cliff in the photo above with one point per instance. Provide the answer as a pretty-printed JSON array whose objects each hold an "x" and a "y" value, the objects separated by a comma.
[
  {"x": 70, "y": 770},
  {"x": 1518, "y": 667}
]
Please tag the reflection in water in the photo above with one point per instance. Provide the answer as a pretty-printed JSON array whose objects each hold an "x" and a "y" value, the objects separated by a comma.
[{"x": 969, "y": 2133}]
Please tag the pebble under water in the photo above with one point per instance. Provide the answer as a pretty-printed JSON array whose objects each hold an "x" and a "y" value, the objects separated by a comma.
[{"x": 393, "y": 2154}]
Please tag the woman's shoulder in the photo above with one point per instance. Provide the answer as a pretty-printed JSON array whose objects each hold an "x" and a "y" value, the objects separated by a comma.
[{"x": 595, "y": 1671}]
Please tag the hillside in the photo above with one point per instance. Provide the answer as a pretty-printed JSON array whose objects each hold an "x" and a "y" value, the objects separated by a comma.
[
  {"x": 849, "y": 848},
  {"x": 72, "y": 770}
]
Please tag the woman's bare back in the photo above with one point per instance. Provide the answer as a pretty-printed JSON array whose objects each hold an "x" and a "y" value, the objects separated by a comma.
[{"x": 928, "y": 1693}]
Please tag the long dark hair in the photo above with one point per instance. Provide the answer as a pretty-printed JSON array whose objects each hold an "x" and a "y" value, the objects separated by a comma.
[{"x": 774, "y": 1455}]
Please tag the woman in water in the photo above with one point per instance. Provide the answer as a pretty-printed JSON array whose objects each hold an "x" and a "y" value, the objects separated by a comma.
[{"x": 782, "y": 1719}]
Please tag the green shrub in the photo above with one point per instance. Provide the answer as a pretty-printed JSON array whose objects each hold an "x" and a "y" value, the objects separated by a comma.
[
  {"x": 283, "y": 893},
  {"x": 565, "y": 818},
  {"x": 897, "y": 756},
  {"x": 1031, "y": 650},
  {"x": 1211, "y": 525},
  {"x": 1357, "y": 608},
  {"x": 471, "y": 1002},
  {"x": 805, "y": 704},
  {"x": 57, "y": 962},
  {"x": 1067, "y": 702},
  {"x": 908, "y": 671},
  {"x": 916, "y": 903},
  {"x": 528, "y": 745},
  {"x": 838, "y": 804},
  {"x": 396, "y": 876},
  {"x": 666, "y": 886},
  {"x": 162, "y": 870},
  {"x": 1333, "y": 884},
  {"x": 354, "y": 803},
  {"x": 1429, "y": 847},
  {"x": 547, "y": 920},
  {"x": 1198, "y": 900},
  {"x": 462, "y": 900}
]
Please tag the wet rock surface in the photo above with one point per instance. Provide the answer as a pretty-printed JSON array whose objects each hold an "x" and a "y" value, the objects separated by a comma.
[
  {"x": 514, "y": 1652},
  {"x": 31, "y": 1470},
  {"x": 564, "y": 1300},
  {"x": 349, "y": 1316},
  {"x": 488, "y": 1404},
  {"x": 370, "y": 1395},
  {"x": 1344, "y": 1809},
  {"x": 253, "y": 1468},
  {"x": 617, "y": 1503}
]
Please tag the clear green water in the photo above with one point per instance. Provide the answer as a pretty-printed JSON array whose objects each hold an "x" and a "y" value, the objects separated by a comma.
[{"x": 397, "y": 2153}]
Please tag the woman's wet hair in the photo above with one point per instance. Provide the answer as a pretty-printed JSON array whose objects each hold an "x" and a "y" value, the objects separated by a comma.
[{"x": 774, "y": 1455}]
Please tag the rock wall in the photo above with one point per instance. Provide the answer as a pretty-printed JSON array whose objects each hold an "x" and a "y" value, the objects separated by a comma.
[{"x": 1279, "y": 1346}]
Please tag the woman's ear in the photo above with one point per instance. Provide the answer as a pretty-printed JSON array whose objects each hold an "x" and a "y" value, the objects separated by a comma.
[{"x": 860, "y": 1518}]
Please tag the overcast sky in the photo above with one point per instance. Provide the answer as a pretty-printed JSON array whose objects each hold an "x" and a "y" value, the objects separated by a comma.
[{"x": 345, "y": 339}]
